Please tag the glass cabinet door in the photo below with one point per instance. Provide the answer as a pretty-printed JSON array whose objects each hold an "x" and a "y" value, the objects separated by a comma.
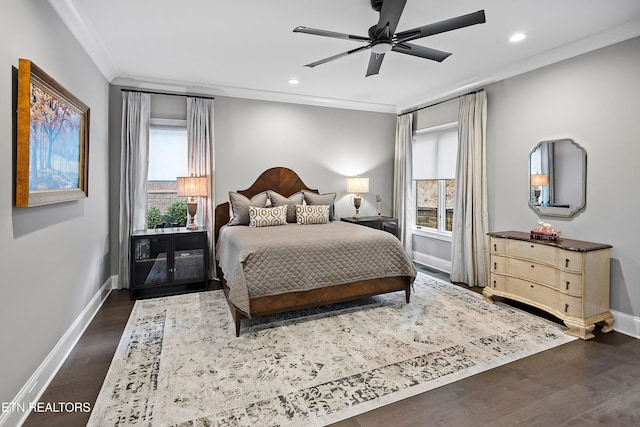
[
  {"x": 151, "y": 262},
  {"x": 189, "y": 261}
]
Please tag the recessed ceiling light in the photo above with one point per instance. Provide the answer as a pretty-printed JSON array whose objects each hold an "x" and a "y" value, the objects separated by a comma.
[
  {"x": 517, "y": 37},
  {"x": 293, "y": 82}
]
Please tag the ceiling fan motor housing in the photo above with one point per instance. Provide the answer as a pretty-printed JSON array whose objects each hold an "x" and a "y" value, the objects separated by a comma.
[{"x": 376, "y": 5}]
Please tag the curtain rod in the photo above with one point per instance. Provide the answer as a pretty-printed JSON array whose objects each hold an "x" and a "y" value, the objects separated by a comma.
[
  {"x": 151, "y": 92},
  {"x": 439, "y": 102}
]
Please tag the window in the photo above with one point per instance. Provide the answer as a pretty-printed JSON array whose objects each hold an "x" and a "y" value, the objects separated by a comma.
[
  {"x": 168, "y": 160},
  {"x": 434, "y": 165}
]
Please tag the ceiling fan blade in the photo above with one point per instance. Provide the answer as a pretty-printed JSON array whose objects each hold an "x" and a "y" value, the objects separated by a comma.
[
  {"x": 442, "y": 26},
  {"x": 332, "y": 34},
  {"x": 334, "y": 57},
  {"x": 390, "y": 15},
  {"x": 421, "y": 51},
  {"x": 375, "y": 61}
]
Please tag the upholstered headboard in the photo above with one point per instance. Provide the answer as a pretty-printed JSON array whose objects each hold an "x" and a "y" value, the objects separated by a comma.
[{"x": 279, "y": 179}]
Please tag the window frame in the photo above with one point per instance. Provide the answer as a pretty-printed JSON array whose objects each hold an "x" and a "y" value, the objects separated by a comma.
[{"x": 440, "y": 233}]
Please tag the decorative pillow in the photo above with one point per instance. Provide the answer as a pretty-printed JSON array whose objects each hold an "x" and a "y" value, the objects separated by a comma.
[
  {"x": 321, "y": 199},
  {"x": 267, "y": 217},
  {"x": 290, "y": 202},
  {"x": 239, "y": 206},
  {"x": 312, "y": 214}
]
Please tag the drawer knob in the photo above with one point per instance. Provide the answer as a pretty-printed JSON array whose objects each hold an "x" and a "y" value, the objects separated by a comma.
[
  {"x": 566, "y": 307},
  {"x": 494, "y": 283},
  {"x": 566, "y": 263},
  {"x": 531, "y": 286},
  {"x": 533, "y": 266},
  {"x": 495, "y": 265},
  {"x": 567, "y": 285},
  {"x": 495, "y": 247},
  {"x": 532, "y": 246}
]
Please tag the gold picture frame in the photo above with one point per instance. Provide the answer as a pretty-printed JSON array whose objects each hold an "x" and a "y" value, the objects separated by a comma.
[{"x": 52, "y": 153}]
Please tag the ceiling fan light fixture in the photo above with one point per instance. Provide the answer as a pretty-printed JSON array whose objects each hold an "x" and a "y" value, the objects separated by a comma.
[
  {"x": 517, "y": 37},
  {"x": 381, "y": 47}
]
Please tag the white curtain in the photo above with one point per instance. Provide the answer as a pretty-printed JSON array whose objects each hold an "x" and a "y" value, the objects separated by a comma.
[
  {"x": 402, "y": 182},
  {"x": 470, "y": 222},
  {"x": 134, "y": 163},
  {"x": 201, "y": 163}
]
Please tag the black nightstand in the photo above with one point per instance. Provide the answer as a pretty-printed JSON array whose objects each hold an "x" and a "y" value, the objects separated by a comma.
[
  {"x": 385, "y": 223},
  {"x": 168, "y": 261}
]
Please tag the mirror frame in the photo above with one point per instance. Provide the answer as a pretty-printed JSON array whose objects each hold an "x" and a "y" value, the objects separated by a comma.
[{"x": 555, "y": 211}]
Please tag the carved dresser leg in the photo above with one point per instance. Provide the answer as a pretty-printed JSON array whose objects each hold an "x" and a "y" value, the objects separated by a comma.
[{"x": 608, "y": 324}]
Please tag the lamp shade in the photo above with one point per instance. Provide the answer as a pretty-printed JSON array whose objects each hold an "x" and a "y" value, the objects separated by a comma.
[
  {"x": 357, "y": 185},
  {"x": 539, "y": 179},
  {"x": 192, "y": 186}
]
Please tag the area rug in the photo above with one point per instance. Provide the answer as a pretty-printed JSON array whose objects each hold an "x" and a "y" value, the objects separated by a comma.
[{"x": 180, "y": 364}]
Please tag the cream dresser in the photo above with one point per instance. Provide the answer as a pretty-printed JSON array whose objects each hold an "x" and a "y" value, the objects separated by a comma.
[{"x": 569, "y": 278}]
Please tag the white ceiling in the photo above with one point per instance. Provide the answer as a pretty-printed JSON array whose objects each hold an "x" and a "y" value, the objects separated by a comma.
[{"x": 247, "y": 48}]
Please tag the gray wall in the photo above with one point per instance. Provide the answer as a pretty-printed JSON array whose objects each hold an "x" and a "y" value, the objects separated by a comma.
[
  {"x": 323, "y": 145},
  {"x": 592, "y": 99},
  {"x": 53, "y": 258}
]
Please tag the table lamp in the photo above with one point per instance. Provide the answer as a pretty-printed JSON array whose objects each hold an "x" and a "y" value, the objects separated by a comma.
[
  {"x": 192, "y": 187},
  {"x": 357, "y": 186}
]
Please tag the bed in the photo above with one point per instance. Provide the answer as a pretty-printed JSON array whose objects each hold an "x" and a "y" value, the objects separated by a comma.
[{"x": 268, "y": 270}]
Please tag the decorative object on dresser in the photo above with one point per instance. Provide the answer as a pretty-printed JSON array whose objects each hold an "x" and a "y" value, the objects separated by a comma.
[
  {"x": 167, "y": 262},
  {"x": 271, "y": 270},
  {"x": 385, "y": 223},
  {"x": 545, "y": 232},
  {"x": 192, "y": 187},
  {"x": 357, "y": 186},
  {"x": 567, "y": 278}
]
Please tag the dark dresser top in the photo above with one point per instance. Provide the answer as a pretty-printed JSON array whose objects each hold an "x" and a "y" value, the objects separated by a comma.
[{"x": 568, "y": 244}]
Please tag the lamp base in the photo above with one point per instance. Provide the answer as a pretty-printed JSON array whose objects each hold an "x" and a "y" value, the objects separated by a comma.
[
  {"x": 357, "y": 201},
  {"x": 192, "y": 208}
]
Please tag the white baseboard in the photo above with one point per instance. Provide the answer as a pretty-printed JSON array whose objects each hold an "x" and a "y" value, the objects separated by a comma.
[
  {"x": 626, "y": 324},
  {"x": 432, "y": 262},
  {"x": 39, "y": 381}
]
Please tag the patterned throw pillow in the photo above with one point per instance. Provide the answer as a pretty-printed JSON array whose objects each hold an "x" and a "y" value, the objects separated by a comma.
[
  {"x": 320, "y": 199},
  {"x": 267, "y": 217},
  {"x": 239, "y": 206},
  {"x": 290, "y": 202},
  {"x": 312, "y": 214}
]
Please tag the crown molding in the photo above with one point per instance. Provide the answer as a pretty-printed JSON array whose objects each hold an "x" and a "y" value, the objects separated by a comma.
[
  {"x": 79, "y": 26},
  {"x": 190, "y": 88}
]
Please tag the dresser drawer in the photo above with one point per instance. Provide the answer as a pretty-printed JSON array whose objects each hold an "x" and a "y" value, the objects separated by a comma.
[
  {"x": 497, "y": 282},
  {"x": 498, "y": 246},
  {"x": 534, "y": 251},
  {"x": 540, "y": 294},
  {"x": 570, "y": 260},
  {"x": 532, "y": 271},
  {"x": 570, "y": 283},
  {"x": 498, "y": 264},
  {"x": 570, "y": 305}
]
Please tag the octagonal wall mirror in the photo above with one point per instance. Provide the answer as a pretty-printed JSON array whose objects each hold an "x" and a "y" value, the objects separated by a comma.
[{"x": 558, "y": 178}]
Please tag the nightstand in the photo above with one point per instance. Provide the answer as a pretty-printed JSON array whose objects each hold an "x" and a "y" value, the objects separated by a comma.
[
  {"x": 385, "y": 223},
  {"x": 168, "y": 261}
]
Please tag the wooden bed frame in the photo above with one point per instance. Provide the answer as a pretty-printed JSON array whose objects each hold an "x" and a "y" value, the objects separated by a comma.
[{"x": 286, "y": 182}]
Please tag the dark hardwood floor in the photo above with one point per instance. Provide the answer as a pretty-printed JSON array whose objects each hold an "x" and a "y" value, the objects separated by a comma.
[{"x": 582, "y": 383}]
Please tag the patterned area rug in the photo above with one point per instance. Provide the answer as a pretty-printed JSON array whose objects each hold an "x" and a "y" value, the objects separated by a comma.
[{"x": 179, "y": 362}]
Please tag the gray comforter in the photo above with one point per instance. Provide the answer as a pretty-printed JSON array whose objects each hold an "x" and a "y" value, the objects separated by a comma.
[{"x": 277, "y": 260}]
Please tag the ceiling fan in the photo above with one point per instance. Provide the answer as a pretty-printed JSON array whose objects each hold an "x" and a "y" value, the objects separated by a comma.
[{"x": 383, "y": 38}]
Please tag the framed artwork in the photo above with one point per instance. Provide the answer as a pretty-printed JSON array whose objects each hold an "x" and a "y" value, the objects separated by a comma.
[{"x": 52, "y": 153}]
